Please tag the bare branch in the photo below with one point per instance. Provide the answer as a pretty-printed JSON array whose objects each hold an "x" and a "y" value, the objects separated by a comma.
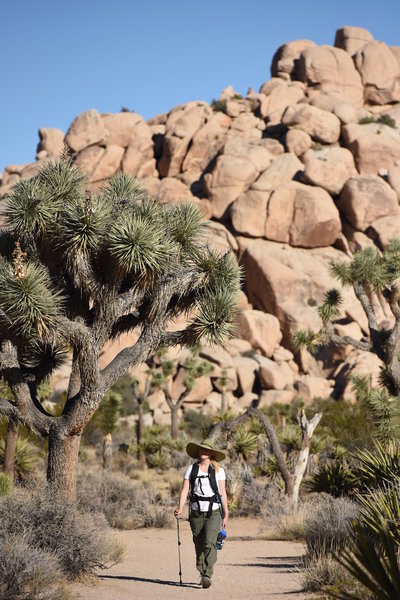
[
  {"x": 346, "y": 340},
  {"x": 8, "y": 409}
]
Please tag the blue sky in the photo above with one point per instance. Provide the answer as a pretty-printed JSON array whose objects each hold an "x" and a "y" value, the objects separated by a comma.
[{"x": 62, "y": 57}]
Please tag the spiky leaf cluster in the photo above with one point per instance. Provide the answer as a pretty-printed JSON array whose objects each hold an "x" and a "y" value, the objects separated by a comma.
[
  {"x": 378, "y": 466},
  {"x": 383, "y": 407},
  {"x": 329, "y": 309},
  {"x": 369, "y": 267},
  {"x": 305, "y": 339},
  {"x": 382, "y": 503},
  {"x": 216, "y": 315},
  {"x": 29, "y": 302}
]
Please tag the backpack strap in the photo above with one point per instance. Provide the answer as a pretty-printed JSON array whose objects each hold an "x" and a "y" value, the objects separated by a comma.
[{"x": 214, "y": 486}]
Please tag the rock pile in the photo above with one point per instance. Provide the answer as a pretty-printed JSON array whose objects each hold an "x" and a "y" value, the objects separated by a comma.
[{"x": 305, "y": 171}]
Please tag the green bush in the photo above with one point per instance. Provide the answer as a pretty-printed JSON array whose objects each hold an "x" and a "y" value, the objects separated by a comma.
[
  {"x": 6, "y": 485},
  {"x": 335, "y": 478},
  {"x": 218, "y": 105},
  {"x": 196, "y": 424}
]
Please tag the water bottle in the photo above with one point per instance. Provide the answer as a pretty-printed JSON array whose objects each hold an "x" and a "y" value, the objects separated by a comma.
[{"x": 221, "y": 539}]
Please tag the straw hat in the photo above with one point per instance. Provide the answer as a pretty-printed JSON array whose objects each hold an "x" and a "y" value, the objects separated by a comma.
[{"x": 193, "y": 449}]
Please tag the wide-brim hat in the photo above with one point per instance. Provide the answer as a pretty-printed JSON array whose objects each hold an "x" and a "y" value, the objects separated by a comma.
[{"x": 193, "y": 449}]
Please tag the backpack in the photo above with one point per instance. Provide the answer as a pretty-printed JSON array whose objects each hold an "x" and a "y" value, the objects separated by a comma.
[{"x": 214, "y": 486}]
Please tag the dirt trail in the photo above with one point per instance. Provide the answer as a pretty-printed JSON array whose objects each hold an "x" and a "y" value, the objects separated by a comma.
[{"x": 247, "y": 567}]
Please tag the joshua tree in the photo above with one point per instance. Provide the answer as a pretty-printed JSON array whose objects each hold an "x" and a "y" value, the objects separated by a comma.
[
  {"x": 369, "y": 271},
  {"x": 89, "y": 268},
  {"x": 167, "y": 372}
]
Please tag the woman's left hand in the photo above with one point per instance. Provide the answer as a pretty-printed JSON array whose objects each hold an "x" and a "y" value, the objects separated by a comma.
[{"x": 224, "y": 522}]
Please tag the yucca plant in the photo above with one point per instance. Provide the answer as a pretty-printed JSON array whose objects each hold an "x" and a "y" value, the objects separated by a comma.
[
  {"x": 379, "y": 466},
  {"x": 335, "y": 478},
  {"x": 245, "y": 444},
  {"x": 26, "y": 457},
  {"x": 78, "y": 269},
  {"x": 368, "y": 271},
  {"x": 382, "y": 503},
  {"x": 376, "y": 567}
]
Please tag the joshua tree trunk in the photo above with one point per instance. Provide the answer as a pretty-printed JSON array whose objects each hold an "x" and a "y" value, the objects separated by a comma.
[
  {"x": 174, "y": 422},
  {"x": 307, "y": 430},
  {"x": 107, "y": 452},
  {"x": 63, "y": 462},
  {"x": 9, "y": 450}
]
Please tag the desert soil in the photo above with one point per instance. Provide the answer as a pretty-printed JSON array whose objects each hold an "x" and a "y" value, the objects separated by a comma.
[{"x": 247, "y": 567}]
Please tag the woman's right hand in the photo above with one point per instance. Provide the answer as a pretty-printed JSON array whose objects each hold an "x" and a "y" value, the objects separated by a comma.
[{"x": 177, "y": 513}]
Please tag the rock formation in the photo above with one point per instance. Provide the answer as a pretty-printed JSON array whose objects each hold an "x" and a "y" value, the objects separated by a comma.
[{"x": 302, "y": 172}]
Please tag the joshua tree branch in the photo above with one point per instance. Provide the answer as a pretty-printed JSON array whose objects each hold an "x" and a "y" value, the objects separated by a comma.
[{"x": 8, "y": 409}]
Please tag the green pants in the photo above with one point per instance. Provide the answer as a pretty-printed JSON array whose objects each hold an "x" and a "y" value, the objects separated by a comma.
[{"x": 205, "y": 532}]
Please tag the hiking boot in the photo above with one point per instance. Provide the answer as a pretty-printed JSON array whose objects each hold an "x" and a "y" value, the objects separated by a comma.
[{"x": 206, "y": 581}]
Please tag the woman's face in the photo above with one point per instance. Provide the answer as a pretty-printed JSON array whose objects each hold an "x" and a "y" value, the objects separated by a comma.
[{"x": 205, "y": 453}]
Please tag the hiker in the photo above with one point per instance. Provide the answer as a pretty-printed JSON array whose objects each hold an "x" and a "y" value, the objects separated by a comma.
[{"x": 208, "y": 507}]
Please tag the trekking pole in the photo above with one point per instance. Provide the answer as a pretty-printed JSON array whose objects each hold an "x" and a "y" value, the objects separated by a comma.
[{"x": 179, "y": 552}]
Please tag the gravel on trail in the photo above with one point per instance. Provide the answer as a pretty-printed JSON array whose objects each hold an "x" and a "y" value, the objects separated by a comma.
[{"x": 247, "y": 567}]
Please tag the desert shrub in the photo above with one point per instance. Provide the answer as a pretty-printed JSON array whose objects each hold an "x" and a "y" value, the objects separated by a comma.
[
  {"x": 80, "y": 541},
  {"x": 124, "y": 504},
  {"x": 366, "y": 120},
  {"x": 26, "y": 572},
  {"x": 218, "y": 105},
  {"x": 196, "y": 424},
  {"x": 320, "y": 571},
  {"x": 386, "y": 119},
  {"x": 6, "y": 485},
  {"x": 328, "y": 524}
]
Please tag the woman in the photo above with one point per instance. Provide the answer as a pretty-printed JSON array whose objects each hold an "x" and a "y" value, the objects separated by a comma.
[{"x": 208, "y": 509}]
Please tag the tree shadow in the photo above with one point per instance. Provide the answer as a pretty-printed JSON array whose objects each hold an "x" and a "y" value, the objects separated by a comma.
[{"x": 148, "y": 580}]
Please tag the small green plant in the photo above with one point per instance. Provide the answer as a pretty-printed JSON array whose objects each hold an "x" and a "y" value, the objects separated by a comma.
[
  {"x": 218, "y": 105},
  {"x": 237, "y": 97},
  {"x": 6, "y": 485},
  {"x": 336, "y": 479},
  {"x": 26, "y": 457},
  {"x": 366, "y": 120},
  {"x": 386, "y": 119}
]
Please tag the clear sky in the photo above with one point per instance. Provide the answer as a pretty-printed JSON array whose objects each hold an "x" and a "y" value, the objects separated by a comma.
[{"x": 62, "y": 57}]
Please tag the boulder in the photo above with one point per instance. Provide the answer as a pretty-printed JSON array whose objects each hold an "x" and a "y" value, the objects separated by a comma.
[
  {"x": 270, "y": 397},
  {"x": 182, "y": 123},
  {"x": 249, "y": 213},
  {"x": 274, "y": 376},
  {"x": 139, "y": 158},
  {"x": 206, "y": 143},
  {"x": 88, "y": 158},
  {"x": 285, "y": 59},
  {"x": 238, "y": 347},
  {"x": 220, "y": 238},
  {"x": 290, "y": 282},
  {"x": 309, "y": 387},
  {"x": 156, "y": 400},
  {"x": 366, "y": 198},
  {"x": 171, "y": 190},
  {"x": 297, "y": 141},
  {"x": 248, "y": 399},
  {"x": 283, "y": 168},
  {"x": 231, "y": 175},
  {"x": 330, "y": 69},
  {"x": 352, "y": 39},
  {"x": 381, "y": 85},
  {"x": 374, "y": 146},
  {"x": 393, "y": 179},
  {"x": 278, "y": 100},
  {"x": 51, "y": 141},
  {"x": 385, "y": 229},
  {"x": 216, "y": 355},
  {"x": 261, "y": 329},
  {"x": 302, "y": 216},
  {"x": 329, "y": 168},
  {"x": 321, "y": 125},
  {"x": 121, "y": 127},
  {"x": 85, "y": 130},
  {"x": 109, "y": 163}
]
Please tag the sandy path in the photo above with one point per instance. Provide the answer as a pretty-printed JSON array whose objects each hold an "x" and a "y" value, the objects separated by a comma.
[{"x": 247, "y": 567}]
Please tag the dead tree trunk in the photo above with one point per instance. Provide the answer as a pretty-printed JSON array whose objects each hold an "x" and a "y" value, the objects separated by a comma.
[
  {"x": 107, "y": 452},
  {"x": 307, "y": 430},
  {"x": 10, "y": 446},
  {"x": 293, "y": 480}
]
